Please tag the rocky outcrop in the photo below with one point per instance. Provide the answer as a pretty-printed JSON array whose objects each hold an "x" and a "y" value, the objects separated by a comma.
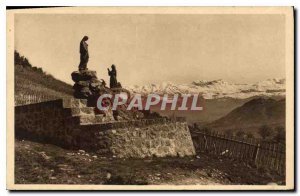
[{"x": 87, "y": 84}]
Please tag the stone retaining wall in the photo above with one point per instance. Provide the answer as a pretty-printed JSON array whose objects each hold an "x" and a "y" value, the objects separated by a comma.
[
  {"x": 40, "y": 121},
  {"x": 137, "y": 139},
  {"x": 160, "y": 140},
  {"x": 58, "y": 122}
]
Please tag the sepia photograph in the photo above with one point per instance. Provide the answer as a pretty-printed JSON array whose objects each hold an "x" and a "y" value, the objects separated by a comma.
[{"x": 150, "y": 98}]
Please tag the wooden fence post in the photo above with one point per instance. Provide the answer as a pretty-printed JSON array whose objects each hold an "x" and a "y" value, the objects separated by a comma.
[{"x": 256, "y": 152}]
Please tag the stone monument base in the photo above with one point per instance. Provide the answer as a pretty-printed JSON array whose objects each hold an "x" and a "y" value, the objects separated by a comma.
[
  {"x": 158, "y": 139},
  {"x": 86, "y": 84},
  {"x": 72, "y": 124}
]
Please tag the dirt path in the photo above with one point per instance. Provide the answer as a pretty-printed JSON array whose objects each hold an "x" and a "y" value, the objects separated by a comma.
[{"x": 45, "y": 163}]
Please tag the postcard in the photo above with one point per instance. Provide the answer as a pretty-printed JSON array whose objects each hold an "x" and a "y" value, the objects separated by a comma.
[{"x": 150, "y": 98}]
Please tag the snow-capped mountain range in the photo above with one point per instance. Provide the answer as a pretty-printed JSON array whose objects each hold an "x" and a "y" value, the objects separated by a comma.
[{"x": 215, "y": 89}]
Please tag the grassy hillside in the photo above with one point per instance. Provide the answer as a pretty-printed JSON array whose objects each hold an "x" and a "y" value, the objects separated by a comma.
[
  {"x": 252, "y": 116},
  {"x": 259, "y": 111},
  {"x": 32, "y": 84},
  {"x": 214, "y": 109}
]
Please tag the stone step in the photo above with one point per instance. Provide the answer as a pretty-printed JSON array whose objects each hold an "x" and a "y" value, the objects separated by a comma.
[
  {"x": 83, "y": 111},
  {"x": 74, "y": 103},
  {"x": 92, "y": 119}
]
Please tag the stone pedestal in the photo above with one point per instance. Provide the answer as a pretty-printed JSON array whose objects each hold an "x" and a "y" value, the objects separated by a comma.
[{"x": 86, "y": 84}]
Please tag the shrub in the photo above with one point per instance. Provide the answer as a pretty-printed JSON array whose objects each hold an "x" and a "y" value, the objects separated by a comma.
[
  {"x": 240, "y": 133},
  {"x": 229, "y": 132},
  {"x": 280, "y": 134},
  {"x": 249, "y": 135},
  {"x": 265, "y": 131},
  {"x": 21, "y": 60}
]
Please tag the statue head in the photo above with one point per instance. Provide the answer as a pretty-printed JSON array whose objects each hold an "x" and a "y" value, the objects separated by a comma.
[
  {"x": 85, "y": 38},
  {"x": 113, "y": 67}
]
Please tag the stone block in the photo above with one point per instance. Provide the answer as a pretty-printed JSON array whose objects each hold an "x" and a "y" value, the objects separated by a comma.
[
  {"x": 83, "y": 75},
  {"x": 74, "y": 103}
]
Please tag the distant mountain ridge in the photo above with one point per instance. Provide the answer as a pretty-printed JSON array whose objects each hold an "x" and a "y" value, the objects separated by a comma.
[
  {"x": 216, "y": 89},
  {"x": 254, "y": 113}
]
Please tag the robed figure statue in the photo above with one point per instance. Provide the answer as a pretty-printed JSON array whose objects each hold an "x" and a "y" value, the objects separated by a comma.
[
  {"x": 113, "y": 77},
  {"x": 84, "y": 54}
]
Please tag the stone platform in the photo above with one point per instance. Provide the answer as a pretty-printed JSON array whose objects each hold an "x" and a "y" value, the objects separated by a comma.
[{"x": 72, "y": 124}]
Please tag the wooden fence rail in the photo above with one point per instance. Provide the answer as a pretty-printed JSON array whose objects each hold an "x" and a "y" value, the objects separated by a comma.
[{"x": 266, "y": 155}]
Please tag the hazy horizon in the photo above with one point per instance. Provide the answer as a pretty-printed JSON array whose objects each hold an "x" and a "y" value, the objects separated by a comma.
[{"x": 157, "y": 48}]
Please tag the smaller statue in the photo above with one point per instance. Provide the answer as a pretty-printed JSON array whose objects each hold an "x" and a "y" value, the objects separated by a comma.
[
  {"x": 84, "y": 53},
  {"x": 113, "y": 77}
]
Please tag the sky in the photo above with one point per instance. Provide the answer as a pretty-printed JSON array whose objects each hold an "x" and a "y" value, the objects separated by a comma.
[{"x": 149, "y": 48}]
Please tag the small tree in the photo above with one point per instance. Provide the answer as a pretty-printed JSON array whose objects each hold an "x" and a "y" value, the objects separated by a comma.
[
  {"x": 26, "y": 63},
  {"x": 40, "y": 70},
  {"x": 240, "y": 133},
  {"x": 249, "y": 135},
  {"x": 265, "y": 131},
  {"x": 17, "y": 58},
  {"x": 229, "y": 132}
]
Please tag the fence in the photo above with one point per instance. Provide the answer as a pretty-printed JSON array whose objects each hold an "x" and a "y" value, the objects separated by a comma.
[
  {"x": 23, "y": 99},
  {"x": 265, "y": 155}
]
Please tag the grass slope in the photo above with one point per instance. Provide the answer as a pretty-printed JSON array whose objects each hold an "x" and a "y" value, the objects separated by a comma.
[{"x": 33, "y": 83}]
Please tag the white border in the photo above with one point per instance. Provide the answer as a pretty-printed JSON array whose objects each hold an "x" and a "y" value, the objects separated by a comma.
[{"x": 295, "y": 3}]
